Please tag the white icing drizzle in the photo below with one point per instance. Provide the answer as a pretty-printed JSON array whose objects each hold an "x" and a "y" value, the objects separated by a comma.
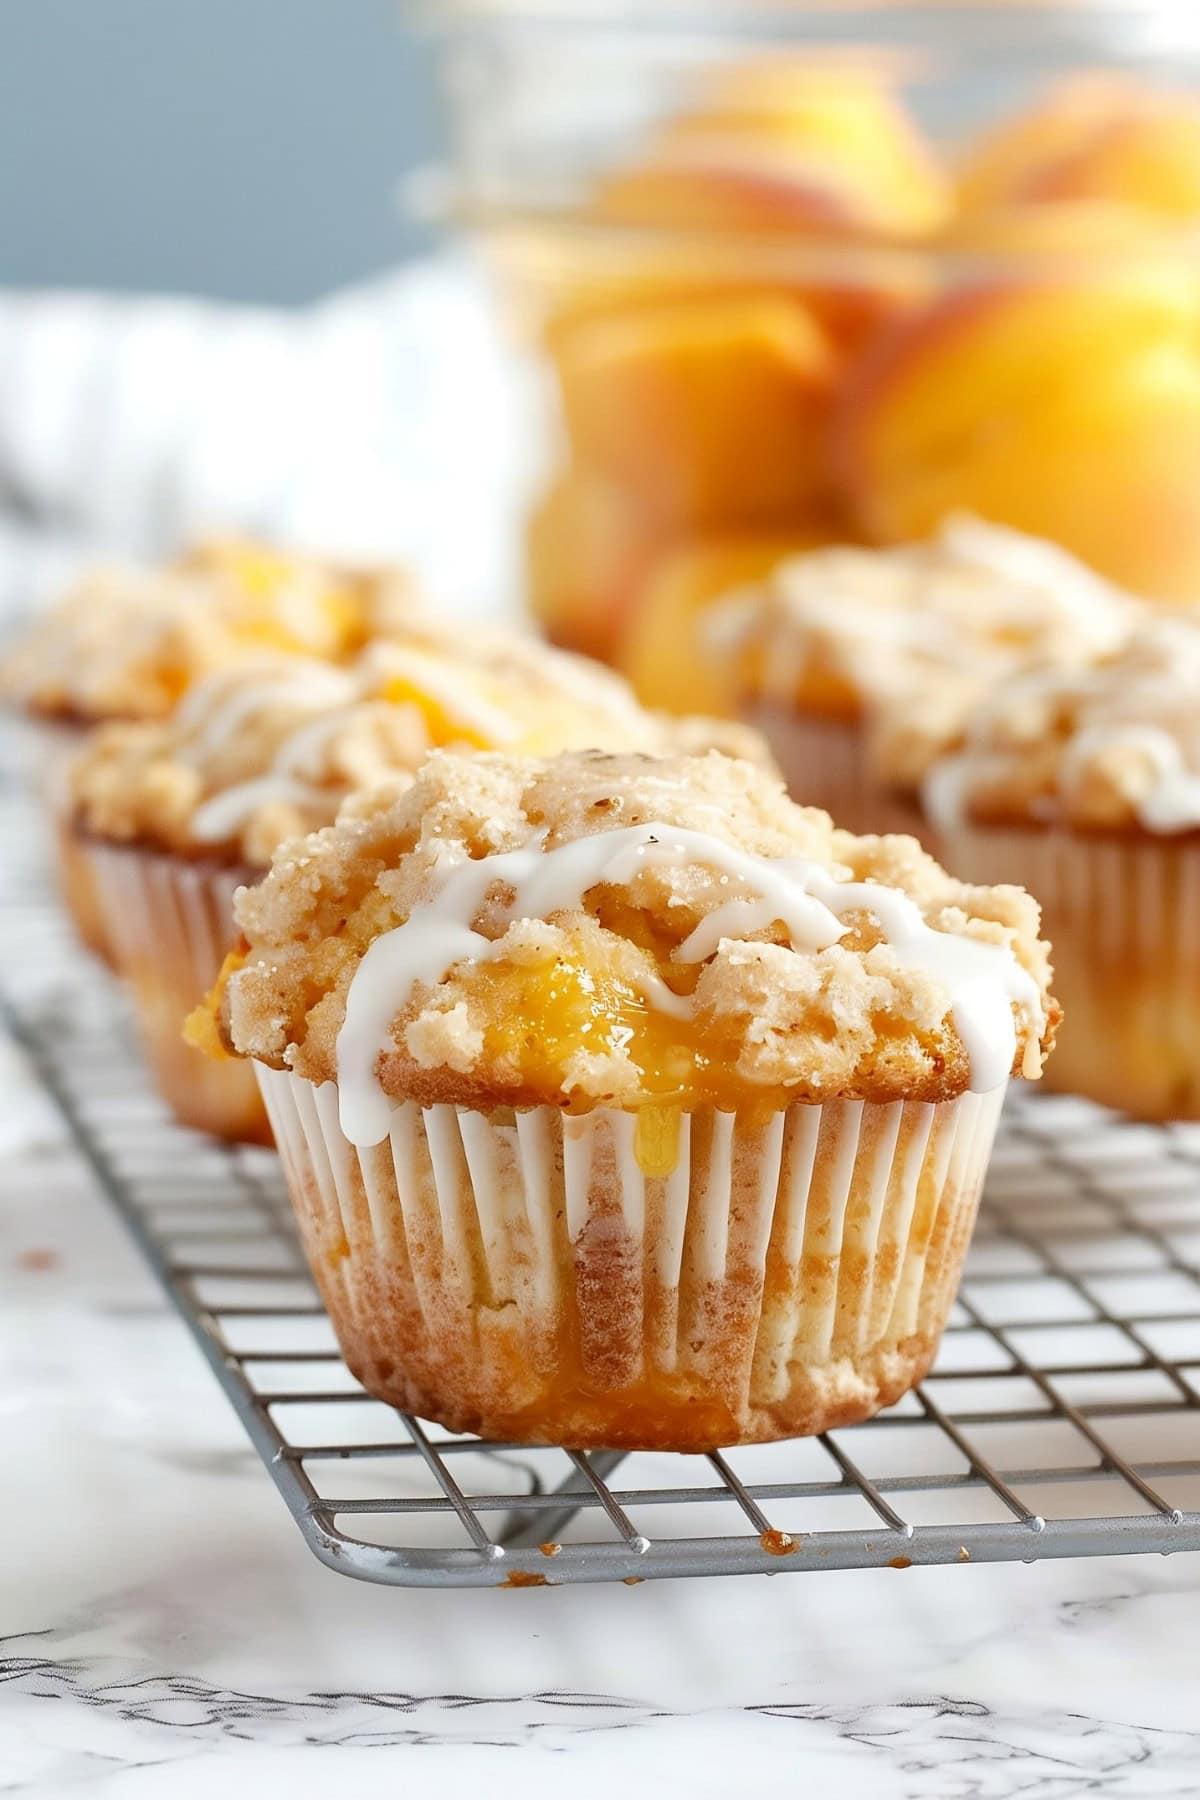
[
  {"x": 1171, "y": 804},
  {"x": 1061, "y": 581},
  {"x": 220, "y": 817},
  {"x": 1111, "y": 703},
  {"x": 975, "y": 599},
  {"x": 298, "y": 756},
  {"x": 983, "y": 980},
  {"x": 302, "y": 752},
  {"x": 590, "y": 683},
  {"x": 447, "y": 688},
  {"x": 945, "y": 789},
  {"x": 217, "y": 708}
]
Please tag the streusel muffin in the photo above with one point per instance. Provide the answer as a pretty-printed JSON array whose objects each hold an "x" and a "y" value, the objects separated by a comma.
[
  {"x": 126, "y": 643},
  {"x": 1085, "y": 786},
  {"x": 624, "y": 1102},
  {"x": 169, "y": 818},
  {"x": 862, "y": 666}
]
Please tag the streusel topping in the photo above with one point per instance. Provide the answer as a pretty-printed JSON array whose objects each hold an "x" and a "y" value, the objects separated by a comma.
[
  {"x": 125, "y": 643},
  {"x": 268, "y": 750},
  {"x": 626, "y": 930},
  {"x": 907, "y": 639},
  {"x": 1114, "y": 745}
]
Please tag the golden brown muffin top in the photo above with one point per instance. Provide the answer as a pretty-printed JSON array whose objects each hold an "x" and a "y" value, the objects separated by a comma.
[
  {"x": 909, "y": 638},
  {"x": 268, "y": 750},
  {"x": 629, "y": 930},
  {"x": 126, "y": 643},
  {"x": 1112, "y": 746}
]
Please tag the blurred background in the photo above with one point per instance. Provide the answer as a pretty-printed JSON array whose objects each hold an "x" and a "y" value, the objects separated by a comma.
[
  {"x": 244, "y": 149},
  {"x": 694, "y": 298}
]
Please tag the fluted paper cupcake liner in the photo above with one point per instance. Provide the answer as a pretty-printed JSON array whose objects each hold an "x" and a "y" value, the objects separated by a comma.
[
  {"x": 52, "y": 746},
  {"x": 168, "y": 923},
  {"x": 825, "y": 763},
  {"x": 1123, "y": 918},
  {"x": 518, "y": 1275}
]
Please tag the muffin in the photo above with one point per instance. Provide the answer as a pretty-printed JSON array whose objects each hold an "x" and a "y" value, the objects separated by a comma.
[
  {"x": 167, "y": 819},
  {"x": 126, "y": 643},
  {"x": 624, "y": 1102},
  {"x": 862, "y": 666},
  {"x": 1085, "y": 785}
]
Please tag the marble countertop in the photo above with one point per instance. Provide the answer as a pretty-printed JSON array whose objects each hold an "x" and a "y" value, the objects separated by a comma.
[{"x": 164, "y": 1629}]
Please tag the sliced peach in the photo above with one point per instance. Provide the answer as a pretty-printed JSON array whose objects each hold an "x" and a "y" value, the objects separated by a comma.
[
  {"x": 1070, "y": 410},
  {"x": 712, "y": 413},
  {"x": 587, "y": 549},
  {"x": 1005, "y": 165},
  {"x": 1065, "y": 231},
  {"x": 1149, "y": 158},
  {"x": 663, "y": 651},
  {"x": 851, "y": 291},
  {"x": 714, "y": 184},
  {"x": 832, "y": 131}
]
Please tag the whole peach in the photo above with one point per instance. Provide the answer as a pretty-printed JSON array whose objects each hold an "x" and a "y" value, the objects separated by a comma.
[
  {"x": 588, "y": 547},
  {"x": 1067, "y": 408},
  {"x": 666, "y": 651},
  {"x": 710, "y": 412}
]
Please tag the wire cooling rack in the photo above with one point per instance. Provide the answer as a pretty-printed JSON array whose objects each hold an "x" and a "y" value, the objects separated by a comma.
[{"x": 1062, "y": 1418}]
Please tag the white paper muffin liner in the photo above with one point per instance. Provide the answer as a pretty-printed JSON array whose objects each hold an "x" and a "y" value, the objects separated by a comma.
[
  {"x": 825, "y": 763},
  {"x": 1123, "y": 919},
  {"x": 518, "y": 1275},
  {"x": 168, "y": 923},
  {"x": 51, "y": 746}
]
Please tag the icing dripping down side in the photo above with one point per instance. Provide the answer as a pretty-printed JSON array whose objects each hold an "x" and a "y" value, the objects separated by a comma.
[
  {"x": 291, "y": 779},
  {"x": 220, "y": 817},
  {"x": 1171, "y": 802},
  {"x": 983, "y": 980}
]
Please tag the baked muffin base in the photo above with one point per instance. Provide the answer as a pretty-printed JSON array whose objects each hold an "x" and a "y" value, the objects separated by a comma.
[
  {"x": 1123, "y": 917},
  {"x": 824, "y": 763},
  {"x": 518, "y": 1276},
  {"x": 169, "y": 923}
]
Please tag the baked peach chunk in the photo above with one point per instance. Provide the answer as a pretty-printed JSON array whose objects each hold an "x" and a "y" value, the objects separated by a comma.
[
  {"x": 332, "y": 621},
  {"x": 665, "y": 651},
  {"x": 711, "y": 413},
  {"x": 1069, "y": 409}
]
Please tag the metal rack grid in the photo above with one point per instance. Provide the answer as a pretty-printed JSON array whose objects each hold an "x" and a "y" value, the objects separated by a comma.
[{"x": 1062, "y": 1418}]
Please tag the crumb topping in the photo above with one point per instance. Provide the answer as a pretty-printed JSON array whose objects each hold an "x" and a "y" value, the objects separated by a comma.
[
  {"x": 603, "y": 929},
  {"x": 1114, "y": 745},
  {"x": 269, "y": 749},
  {"x": 908, "y": 639},
  {"x": 125, "y": 643}
]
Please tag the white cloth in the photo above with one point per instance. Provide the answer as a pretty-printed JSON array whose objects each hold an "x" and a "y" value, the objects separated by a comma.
[{"x": 390, "y": 420}]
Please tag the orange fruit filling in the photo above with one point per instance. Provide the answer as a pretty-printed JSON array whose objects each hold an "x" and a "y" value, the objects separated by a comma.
[
  {"x": 262, "y": 576},
  {"x": 441, "y": 722},
  {"x": 537, "y": 1020},
  {"x": 200, "y": 1028}
]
